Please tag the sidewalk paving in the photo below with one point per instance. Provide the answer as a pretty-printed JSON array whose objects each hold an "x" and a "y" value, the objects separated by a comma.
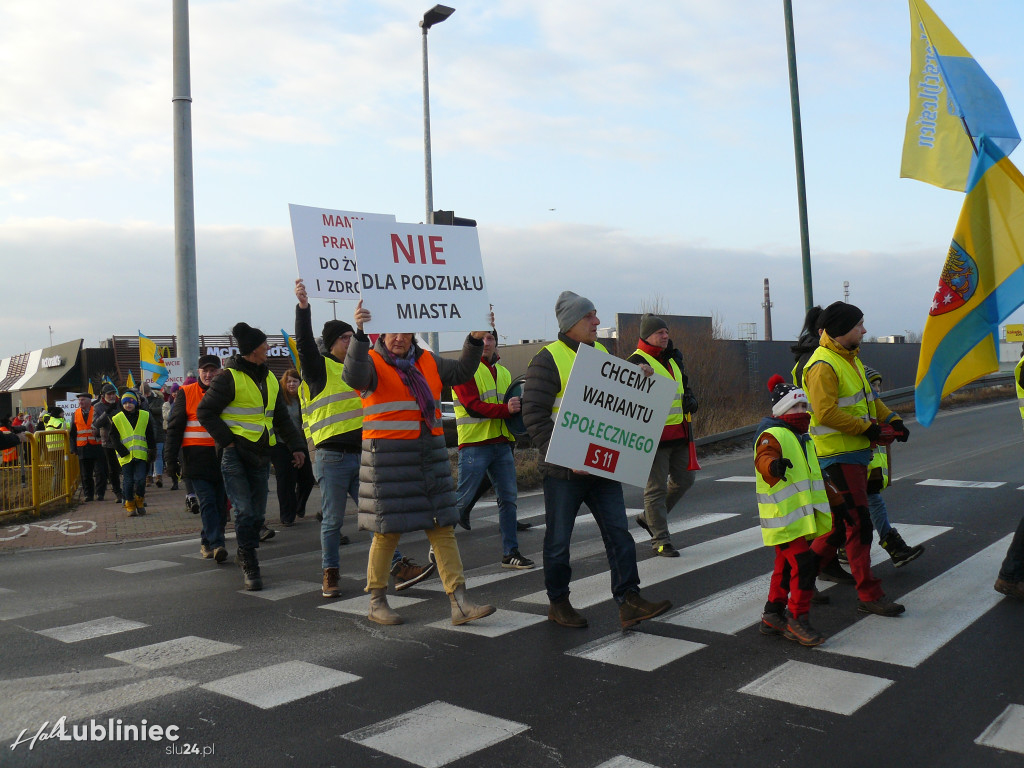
[{"x": 104, "y": 522}]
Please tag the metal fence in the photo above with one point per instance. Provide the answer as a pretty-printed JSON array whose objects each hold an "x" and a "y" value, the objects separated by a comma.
[{"x": 45, "y": 472}]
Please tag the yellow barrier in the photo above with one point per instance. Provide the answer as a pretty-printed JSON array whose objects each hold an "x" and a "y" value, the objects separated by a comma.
[{"x": 45, "y": 472}]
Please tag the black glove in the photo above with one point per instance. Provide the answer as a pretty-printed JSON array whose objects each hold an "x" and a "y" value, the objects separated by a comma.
[
  {"x": 173, "y": 469},
  {"x": 689, "y": 402},
  {"x": 873, "y": 432},
  {"x": 778, "y": 468},
  {"x": 900, "y": 427}
]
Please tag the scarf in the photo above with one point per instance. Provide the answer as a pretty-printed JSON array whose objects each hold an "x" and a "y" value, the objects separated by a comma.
[
  {"x": 413, "y": 378},
  {"x": 798, "y": 422}
]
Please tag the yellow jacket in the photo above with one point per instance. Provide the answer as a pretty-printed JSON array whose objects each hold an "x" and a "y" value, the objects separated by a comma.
[{"x": 822, "y": 387}]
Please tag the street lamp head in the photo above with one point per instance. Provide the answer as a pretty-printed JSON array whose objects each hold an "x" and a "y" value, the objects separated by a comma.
[{"x": 435, "y": 15}]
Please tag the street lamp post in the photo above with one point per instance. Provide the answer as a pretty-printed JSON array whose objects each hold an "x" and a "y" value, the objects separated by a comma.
[{"x": 435, "y": 15}]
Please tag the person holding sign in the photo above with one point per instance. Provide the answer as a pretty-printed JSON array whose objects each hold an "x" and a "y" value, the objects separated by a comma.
[
  {"x": 566, "y": 490},
  {"x": 671, "y": 476},
  {"x": 406, "y": 480}
]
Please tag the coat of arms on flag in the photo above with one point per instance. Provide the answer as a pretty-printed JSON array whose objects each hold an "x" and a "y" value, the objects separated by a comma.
[{"x": 957, "y": 283}]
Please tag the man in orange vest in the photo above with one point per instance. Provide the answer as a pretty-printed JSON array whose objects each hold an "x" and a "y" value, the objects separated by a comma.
[
  {"x": 198, "y": 451},
  {"x": 85, "y": 442}
]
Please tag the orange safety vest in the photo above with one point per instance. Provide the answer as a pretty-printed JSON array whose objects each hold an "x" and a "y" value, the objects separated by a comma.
[
  {"x": 195, "y": 433},
  {"x": 10, "y": 455},
  {"x": 84, "y": 434},
  {"x": 390, "y": 411}
]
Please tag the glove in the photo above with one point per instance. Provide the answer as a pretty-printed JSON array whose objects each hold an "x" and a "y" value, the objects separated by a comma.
[
  {"x": 689, "y": 403},
  {"x": 174, "y": 469},
  {"x": 873, "y": 432},
  {"x": 900, "y": 427},
  {"x": 778, "y": 468}
]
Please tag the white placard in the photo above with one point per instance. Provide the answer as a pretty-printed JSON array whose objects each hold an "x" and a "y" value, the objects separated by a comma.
[
  {"x": 610, "y": 419},
  {"x": 419, "y": 277},
  {"x": 175, "y": 370},
  {"x": 325, "y": 249},
  {"x": 69, "y": 406}
]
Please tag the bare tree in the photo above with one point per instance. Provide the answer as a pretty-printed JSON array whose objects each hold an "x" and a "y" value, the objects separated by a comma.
[
  {"x": 656, "y": 304},
  {"x": 913, "y": 337},
  {"x": 719, "y": 330}
]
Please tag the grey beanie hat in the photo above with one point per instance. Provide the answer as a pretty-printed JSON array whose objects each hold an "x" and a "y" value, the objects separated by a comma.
[
  {"x": 650, "y": 324},
  {"x": 570, "y": 309}
]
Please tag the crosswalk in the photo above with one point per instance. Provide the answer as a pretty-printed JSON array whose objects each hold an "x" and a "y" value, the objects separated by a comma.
[{"x": 146, "y": 670}]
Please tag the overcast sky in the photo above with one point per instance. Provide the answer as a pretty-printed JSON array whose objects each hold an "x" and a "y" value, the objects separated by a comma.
[{"x": 627, "y": 152}]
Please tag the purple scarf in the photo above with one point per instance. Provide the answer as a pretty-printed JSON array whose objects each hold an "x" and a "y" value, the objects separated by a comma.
[{"x": 413, "y": 378}]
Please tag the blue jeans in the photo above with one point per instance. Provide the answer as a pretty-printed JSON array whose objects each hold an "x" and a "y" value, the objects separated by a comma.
[
  {"x": 879, "y": 514},
  {"x": 158, "y": 461},
  {"x": 213, "y": 510},
  {"x": 338, "y": 475},
  {"x": 494, "y": 460},
  {"x": 1012, "y": 568},
  {"x": 133, "y": 478},
  {"x": 247, "y": 487},
  {"x": 562, "y": 500}
]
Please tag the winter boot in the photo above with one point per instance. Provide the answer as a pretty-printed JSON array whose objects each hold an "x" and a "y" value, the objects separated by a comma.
[
  {"x": 898, "y": 550},
  {"x": 799, "y": 628},
  {"x": 246, "y": 559},
  {"x": 140, "y": 505},
  {"x": 562, "y": 612},
  {"x": 330, "y": 588},
  {"x": 635, "y": 609},
  {"x": 129, "y": 504},
  {"x": 463, "y": 610},
  {"x": 380, "y": 611}
]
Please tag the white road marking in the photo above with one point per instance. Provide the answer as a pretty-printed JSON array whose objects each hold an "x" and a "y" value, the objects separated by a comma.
[
  {"x": 737, "y": 479},
  {"x": 145, "y": 565},
  {"x": 1006, "y": 731},
  {"x": 621, "y": 761},
  {"x": 20, "y": 605},
  {"x": 932, "y": 618},
  {"x": 279, "y": 684},
  {"x": 960, "y": 484},
  {"x": 86, "y": 630},
  {"x": 499, "y": 623},
  {"x": 435, "y": 734},
  {"x": 360, "y": 606},
  {"x": 279, "y": 590},
  {"x": 181, "y": 650},
  {"x": 808, "y": 685},
  {"x": 636, "y": 650}
]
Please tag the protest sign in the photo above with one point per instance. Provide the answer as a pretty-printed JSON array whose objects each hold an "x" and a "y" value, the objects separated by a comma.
[
  {"x": 419, "y": 277},
  {"x": 610, "y": 419},
  {"x": 175, "y": 370},
  {"x": 325, "y": 250}
]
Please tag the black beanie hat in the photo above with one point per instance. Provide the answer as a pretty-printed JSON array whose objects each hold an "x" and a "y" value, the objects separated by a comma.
[
  {"x": 248, "y": 338},
  {"x": 333, "y": 330},
  {"x": 650, "y": 324},
  {"x": 839, "y": 318}
]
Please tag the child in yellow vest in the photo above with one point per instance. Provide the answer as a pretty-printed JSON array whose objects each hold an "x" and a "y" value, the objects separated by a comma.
[{"x": 793, "y": 509}]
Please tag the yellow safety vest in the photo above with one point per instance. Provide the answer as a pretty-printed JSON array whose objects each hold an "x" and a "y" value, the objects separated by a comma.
[
  {"x": 797, "y": 505},
  {"x": 305, "y": 405},
  {"x": 856, "y": 398},
  {"x": 880, "y": 461},
  {"x": 564, "y": 356},
  {"x": 133, "y": 438},
  {"x": 1020, "y": 389},
  {"x": 54, "y": 442},
  {"x": 473, "y": 429},
  {"x": 675, "y": 413},
  {"x": 246, "y": 415},
  {"x": 335, "y": 411}
]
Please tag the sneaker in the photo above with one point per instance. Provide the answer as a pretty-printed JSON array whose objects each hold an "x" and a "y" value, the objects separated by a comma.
[
  {"x": 841, "y": 556},
  {"x": 898, "y": 550},
  {"x": 205, "y": 551},
  {"x": 192, "y": 504},
  {"x": 515, "y": 560},
  {"x": 220, "y": 555},
  {"x": 267, "y": 533},
  {"x": 639, "y": 520},
  {"x": 561, "y": 612},
  {"x": 635, "y": 609},
  {"x": 799, "y": 628},
  {"x": 834, "y": 572},
  {"x": 666, "y": 549},
  {"x": 1012, "y": 589},
  {"x": 773, "y": 620},
  {"x": 330, "y": 583},
  {"x": 250, "y": 565},
  {"x": 880, "y": 607},
  {"x": 407, "y": 573}
]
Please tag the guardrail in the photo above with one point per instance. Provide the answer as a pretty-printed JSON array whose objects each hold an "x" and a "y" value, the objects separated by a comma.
[
  {"x": 45, "y": 472},
  {"x": 891, "y": 397}
]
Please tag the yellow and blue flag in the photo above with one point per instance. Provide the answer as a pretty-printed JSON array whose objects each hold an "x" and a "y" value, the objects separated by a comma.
[
  {"x": 981, "y": 284},
  {"x": 130, "y": 383},
  {"x": 151, "y": 363},
  {"x": 952, "y": 102},
  {"x": 293, "y": 350},
  {"x": 91, "y": 393}
]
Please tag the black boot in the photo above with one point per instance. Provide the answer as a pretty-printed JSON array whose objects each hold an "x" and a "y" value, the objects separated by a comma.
[
  {"x": 250, "y": 566},
  {"x": 898, "y": 550}
]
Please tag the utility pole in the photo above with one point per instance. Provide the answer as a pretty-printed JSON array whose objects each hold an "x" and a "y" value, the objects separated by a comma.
[{"x": 187, "y": 303}]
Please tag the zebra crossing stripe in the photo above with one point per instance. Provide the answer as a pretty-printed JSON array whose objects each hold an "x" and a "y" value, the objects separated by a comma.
[
  {"x": 929, "y": 622},
  {"x": 279, "y": 684},
  {"x": 499, "y": 623},
  {"x": 19, "y": 605},
  {"x": 621, "y": 761},
  {"x": 821, "y": 688},
  {"x": 87, "y": 630},
  {"x": 737, "y": 479},
  {"x": 360, "y": 606},
  {"x": 960, "y": 484},
  {"x": 279, "y": 590},
  {"x": 636, "y": 650},
  {"x": 595, "y": 589},
  {"x": 1006, "y": 731},
  {"x": 738, "y": 607},
  {"x": 172, "y": 652},
  {"x": 145, "y": 565},
  {"x": 435, "y": 734}
]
